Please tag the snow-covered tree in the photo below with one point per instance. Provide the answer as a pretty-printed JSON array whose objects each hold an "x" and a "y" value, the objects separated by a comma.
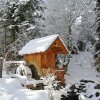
[
  {"x": 98, "y": 25},
  {"x": 21, "y": 22},
  {"x": 63, "y": 16},
  {"x": 2, "y": 5},
  {"x": 55, "y": 17},
  {"x": 97, "y": 44},
  {"x": 86, "y": 28}
]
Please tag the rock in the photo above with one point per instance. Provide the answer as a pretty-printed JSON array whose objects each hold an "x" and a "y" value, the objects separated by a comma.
[
  {"x": 97, "y": 86},
  {"x": 87, "y": 81},
  {"x": 90, "y": 96},
  {"x": 97, "y": 94},
  {"x": 70, "y": 97}
]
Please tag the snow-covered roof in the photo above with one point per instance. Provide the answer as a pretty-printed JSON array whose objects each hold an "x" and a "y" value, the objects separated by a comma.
[{"x": 38, "y": 45}]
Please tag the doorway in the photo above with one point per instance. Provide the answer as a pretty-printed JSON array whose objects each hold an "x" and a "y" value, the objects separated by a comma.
[{"x": 34, "y": 72}]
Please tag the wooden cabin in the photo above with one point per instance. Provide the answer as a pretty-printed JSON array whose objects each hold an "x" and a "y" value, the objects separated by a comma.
[{"x": 40, "y": 55}]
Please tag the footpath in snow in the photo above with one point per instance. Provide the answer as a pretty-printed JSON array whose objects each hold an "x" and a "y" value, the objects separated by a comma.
[{"x": 82, "y": 67}]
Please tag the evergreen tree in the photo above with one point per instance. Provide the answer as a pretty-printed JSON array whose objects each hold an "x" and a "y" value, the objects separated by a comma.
[{"x": 21, "y": 22}]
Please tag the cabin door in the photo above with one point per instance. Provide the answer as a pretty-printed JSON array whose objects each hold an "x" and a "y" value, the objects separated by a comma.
[{"x": 34, "y": 72}]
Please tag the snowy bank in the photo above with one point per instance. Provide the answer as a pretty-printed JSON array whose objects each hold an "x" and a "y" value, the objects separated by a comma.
[{"x": 11, "y": 89}]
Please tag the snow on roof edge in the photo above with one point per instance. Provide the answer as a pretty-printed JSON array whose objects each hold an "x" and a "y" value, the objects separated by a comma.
[{"x": 64, "y": 44}]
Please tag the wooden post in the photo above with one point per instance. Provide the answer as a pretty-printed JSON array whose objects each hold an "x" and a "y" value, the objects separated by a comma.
[{"x": 1, "y": 65}]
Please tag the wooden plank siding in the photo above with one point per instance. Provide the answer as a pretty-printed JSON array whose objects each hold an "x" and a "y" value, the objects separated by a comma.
[
  {"x": 48, "y": 62},
  {"x": 34, "y": 59}
]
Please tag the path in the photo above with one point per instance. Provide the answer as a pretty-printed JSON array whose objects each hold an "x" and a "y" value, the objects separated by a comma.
[{"x": 82, "y": 67}]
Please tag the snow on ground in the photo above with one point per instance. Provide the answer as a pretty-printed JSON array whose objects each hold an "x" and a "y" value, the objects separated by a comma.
[
  {"x": 11, "y": 89},
  {"x": 81, "y": 67},
  {"x": 26, "y": 94}
]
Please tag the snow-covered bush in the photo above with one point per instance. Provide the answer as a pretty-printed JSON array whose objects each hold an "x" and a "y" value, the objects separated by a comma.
[
  {"x": 9, "y": 68},
  {"x": 24, "y": 71},
  {"x": 81, "y": 97},
  {"x": 54, "y": 88}
]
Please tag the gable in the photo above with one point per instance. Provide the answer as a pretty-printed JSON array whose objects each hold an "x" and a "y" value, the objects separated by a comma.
[{"x": 59, "y": 47}]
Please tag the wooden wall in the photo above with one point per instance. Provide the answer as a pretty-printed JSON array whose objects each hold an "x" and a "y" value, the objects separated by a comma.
[
  {"x": 48, "y": 59},
  {"x": 44, "y": 62},
  {"x": 34, "y": 59},
  {"x": 47, "y": 62}
]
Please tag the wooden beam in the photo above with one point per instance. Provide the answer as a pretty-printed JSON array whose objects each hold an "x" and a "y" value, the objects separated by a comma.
[{"x": 57, "y": 46}]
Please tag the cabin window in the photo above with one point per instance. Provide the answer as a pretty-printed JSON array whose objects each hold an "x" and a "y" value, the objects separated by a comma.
[{"x": 59, "y": 61}]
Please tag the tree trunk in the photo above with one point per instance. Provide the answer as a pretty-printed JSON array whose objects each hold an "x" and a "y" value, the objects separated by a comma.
[{"x": 1, "y": 65}]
